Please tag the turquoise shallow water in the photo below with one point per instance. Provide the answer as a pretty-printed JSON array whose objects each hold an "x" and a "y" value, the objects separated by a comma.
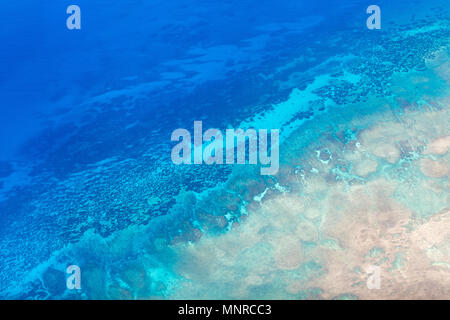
[{"x": 358, "y": 110}]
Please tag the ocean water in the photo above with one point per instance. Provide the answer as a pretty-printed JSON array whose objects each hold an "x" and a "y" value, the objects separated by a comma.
[{"x": 86, "y": 176}]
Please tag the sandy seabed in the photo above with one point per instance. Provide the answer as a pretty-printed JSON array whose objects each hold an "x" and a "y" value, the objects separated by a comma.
[{"x": 373, "y": 191}]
